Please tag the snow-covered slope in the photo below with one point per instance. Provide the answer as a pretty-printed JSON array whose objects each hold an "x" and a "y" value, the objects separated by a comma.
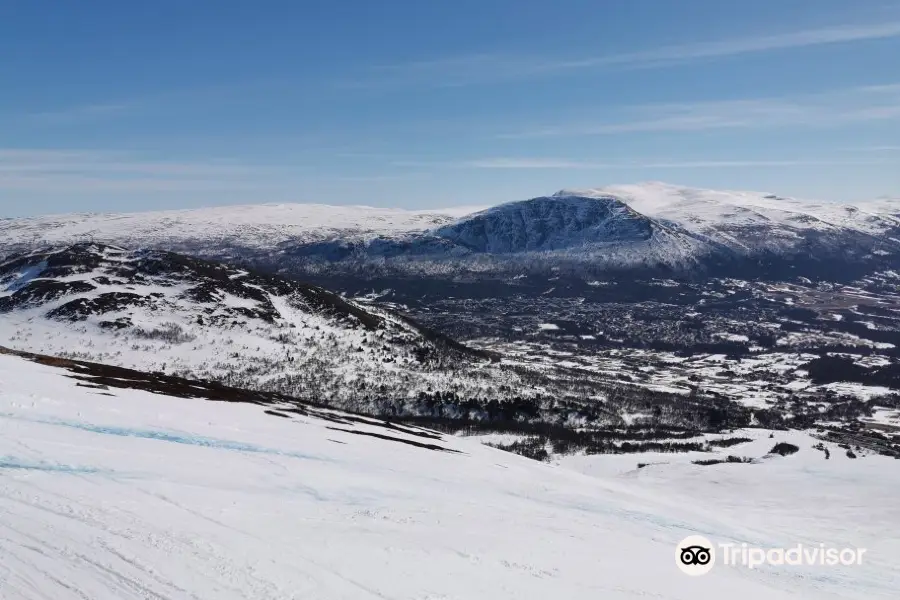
[
  {"x": 885, "y": 206},
  {"x": 161, "y": 311},
  {"x": 748, "y": 221},
  {"x": 119, "y": 493}
]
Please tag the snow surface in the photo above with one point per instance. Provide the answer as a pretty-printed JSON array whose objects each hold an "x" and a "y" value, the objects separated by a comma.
[
  {"x": 732, "y": 337},
  {"x": 858, "y": 390},
  {"x": 124, "y": 494},
  {"x": 801, "y": 498}
]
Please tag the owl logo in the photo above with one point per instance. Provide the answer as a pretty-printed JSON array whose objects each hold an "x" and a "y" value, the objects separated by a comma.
[{"x": 695, "y": 555}]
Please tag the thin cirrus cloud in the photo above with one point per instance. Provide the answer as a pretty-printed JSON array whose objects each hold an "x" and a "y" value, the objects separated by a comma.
[
  {"x": 827, "y": 109},
  {"x": 507, "y": 163},
  {"x": 876, "y": 149},
  {"x": 81, "y": 113},
  {"x": 486, "y": 68},
  {"x": 68, "y": 170},
  {"x": 195, "y": 96},
  {"x": 86, "y": 162}
]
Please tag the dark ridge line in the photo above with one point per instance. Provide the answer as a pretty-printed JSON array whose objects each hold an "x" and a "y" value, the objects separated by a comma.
[
  {"x": 402, "y": 441},
  {"x": 350, "y": 419},
  {"x": 277, "y": 414}
]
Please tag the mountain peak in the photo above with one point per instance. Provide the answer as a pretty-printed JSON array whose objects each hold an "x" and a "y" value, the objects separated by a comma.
[{"x": 581, "y": 193}]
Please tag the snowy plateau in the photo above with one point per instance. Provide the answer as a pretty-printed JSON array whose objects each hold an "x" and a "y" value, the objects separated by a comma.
[{"x": 537, "y": 399}]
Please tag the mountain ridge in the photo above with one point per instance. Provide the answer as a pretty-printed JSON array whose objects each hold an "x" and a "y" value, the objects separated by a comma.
[{"x": 650, "y": 226}]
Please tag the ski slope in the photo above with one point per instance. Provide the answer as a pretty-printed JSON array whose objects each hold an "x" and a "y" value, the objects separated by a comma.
[{"x": 119, "y": 494}]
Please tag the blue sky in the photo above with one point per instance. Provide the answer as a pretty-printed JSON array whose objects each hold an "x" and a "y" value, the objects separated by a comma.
[{"x": 121, "y": 106}]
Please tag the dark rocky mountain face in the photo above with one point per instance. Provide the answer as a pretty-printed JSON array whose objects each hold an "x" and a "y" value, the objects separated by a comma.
[
  {"x": 535, "y": 235},
  {"x": 547, "y": 224}
]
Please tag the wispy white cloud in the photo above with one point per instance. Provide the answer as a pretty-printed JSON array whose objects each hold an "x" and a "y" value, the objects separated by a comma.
[
  {"x": 78, "y": 171},
  {"x": 74, "y": 170},
  {"x": 93, "y": 162},
  {"x": 73, "y": 184},
  {"x": 538, "y": 163},
  {"x": 194, "y": 98},
  {"x": 486, "y": 68},
  {"x": 744, "y": 45},
  {"x": 875, "y": 149},
  {"x": 86, "y": 112},
  {"x": 827, "y": 109}
]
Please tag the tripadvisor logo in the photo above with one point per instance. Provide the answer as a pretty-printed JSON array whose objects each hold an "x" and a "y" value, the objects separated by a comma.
[{"x": 696, "y": 555}]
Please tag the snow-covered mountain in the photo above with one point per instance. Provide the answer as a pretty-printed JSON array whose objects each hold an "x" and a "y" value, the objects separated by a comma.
[
  {"x": 113, "y": 486},
  {"x": 645, "y": 226},
  {"x": 264, "y": 226},
  {"x": 542, "y": 233},
  {"x": 161, "y": 311},
  {"x": 750, "y": 222}
]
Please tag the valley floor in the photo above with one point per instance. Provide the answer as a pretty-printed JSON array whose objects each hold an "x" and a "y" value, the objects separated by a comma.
[{"x": 119, "y": 493}]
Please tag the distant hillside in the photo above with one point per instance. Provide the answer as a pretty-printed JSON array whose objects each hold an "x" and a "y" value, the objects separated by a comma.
[{"x": 161, "y": 311}]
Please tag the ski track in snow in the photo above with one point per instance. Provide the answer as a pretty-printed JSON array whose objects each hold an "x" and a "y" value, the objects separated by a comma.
[{"x": 145, "y": 496}]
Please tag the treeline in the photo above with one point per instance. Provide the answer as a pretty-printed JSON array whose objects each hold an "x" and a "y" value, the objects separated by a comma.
[
  {"x": 833, "y": 369},
  {"x": 537, "y": 439}
]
